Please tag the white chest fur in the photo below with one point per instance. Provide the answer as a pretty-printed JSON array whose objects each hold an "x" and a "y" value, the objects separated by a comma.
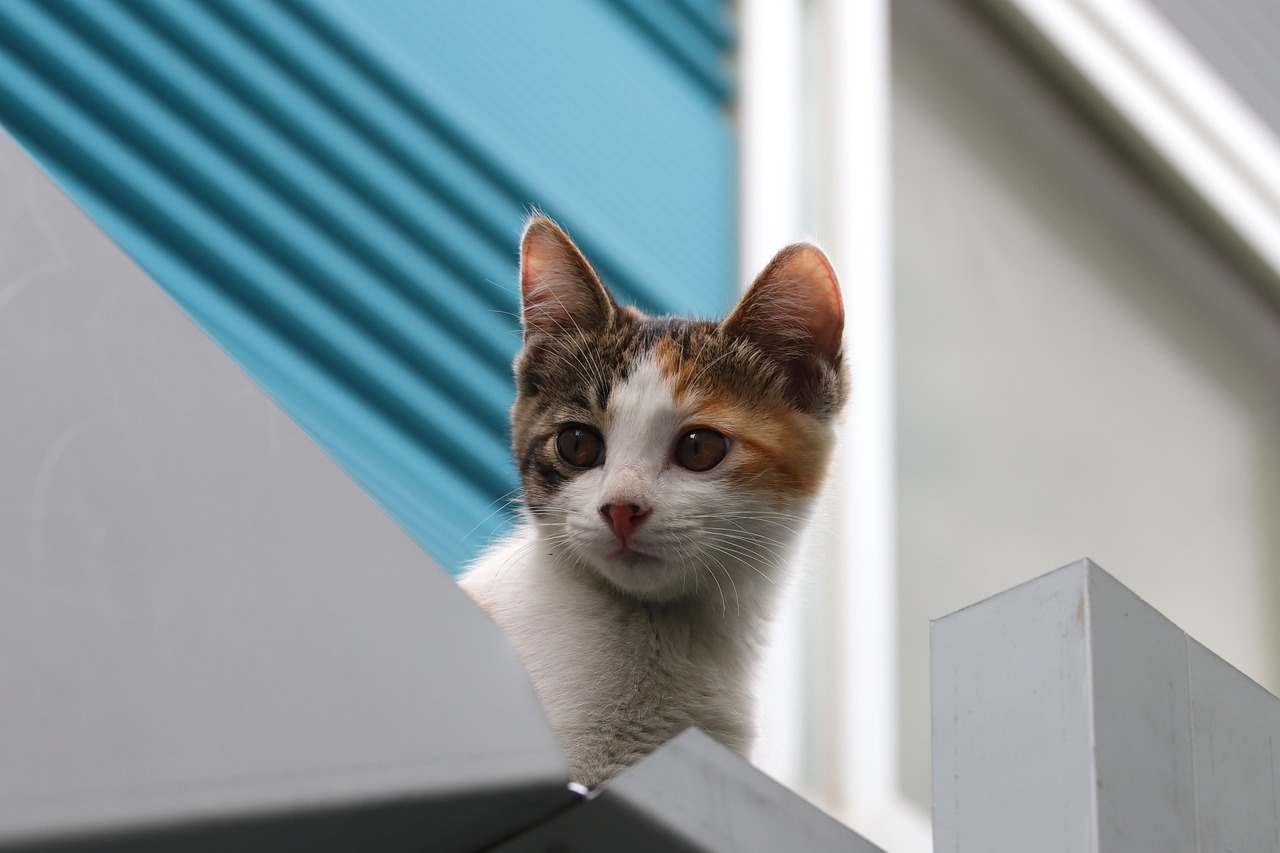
[{"x": 618, "y": 677}]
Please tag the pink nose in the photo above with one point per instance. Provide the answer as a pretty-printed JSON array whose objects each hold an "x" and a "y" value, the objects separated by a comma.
[{"x": 623, "y": 519}]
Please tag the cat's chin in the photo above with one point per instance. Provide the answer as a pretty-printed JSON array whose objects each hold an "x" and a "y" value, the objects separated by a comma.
[{"x": 641, "y": 576}]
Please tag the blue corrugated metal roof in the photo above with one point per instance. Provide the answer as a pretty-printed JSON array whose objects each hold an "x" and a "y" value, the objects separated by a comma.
[{"x": 335, "y": 192}]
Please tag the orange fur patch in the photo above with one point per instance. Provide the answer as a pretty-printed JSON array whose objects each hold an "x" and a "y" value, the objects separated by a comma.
[
  {"x": 776, "y": 448},
  {"x": 674, "y": 366}
]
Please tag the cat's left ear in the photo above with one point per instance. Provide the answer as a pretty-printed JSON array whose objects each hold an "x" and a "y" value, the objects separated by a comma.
[
  {"x": 560, "y": 291},
  {"x": 793, "y": 310}
]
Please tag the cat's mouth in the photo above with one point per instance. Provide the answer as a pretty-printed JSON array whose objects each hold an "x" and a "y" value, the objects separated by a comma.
[
  {"x": 631, "y": 556},
  {"x": 639, "y": 573}
]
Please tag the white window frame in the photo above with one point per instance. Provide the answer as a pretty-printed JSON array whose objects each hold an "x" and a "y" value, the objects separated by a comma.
[
  {"x": 1157, "y": 89},
  {"x": 848, "y": 209},
  {"x": 1171, "y": 102}
]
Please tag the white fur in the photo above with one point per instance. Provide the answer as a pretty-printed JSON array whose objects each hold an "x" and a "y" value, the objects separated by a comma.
[{"x": 626, "y": 652}]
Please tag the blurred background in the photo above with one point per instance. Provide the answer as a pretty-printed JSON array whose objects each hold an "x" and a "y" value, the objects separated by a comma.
[{"x": 1057, "y": 224}]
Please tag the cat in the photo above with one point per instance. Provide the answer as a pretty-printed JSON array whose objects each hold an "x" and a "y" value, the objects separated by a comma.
[{"x": 667, "y": 465}]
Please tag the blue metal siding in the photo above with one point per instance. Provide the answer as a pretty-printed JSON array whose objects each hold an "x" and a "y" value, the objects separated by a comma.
[{"x": 334, "y": 190}]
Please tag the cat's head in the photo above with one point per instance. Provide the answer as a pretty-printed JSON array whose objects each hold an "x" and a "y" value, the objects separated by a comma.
[{"x": 674, "y": 457}]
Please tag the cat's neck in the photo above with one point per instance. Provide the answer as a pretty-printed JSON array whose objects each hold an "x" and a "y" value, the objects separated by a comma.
[
  {"x": 714, "y": 611},
  {"x": 530, "y": 586},
  {"x": 618, "y": 675}
]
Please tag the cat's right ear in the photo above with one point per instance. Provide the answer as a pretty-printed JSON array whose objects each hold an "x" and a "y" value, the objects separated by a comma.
[{"x": 560, "y": 291}]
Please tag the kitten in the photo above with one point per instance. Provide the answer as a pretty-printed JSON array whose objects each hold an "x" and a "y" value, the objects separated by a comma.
[{"x": 667, "y": 465}]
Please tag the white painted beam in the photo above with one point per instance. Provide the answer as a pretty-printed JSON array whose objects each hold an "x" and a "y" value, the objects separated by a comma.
[{"x": 1070, "y": 716}]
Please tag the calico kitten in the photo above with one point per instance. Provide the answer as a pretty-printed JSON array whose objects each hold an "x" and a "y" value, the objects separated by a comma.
[{"x": 667, "y": 465}]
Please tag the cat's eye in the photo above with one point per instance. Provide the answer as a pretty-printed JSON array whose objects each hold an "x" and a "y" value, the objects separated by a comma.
[
  {"x": 580, "y": 446},
  {"x": 701, "y": 449}
]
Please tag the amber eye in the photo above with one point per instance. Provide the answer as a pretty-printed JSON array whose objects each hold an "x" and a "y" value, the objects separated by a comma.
[
  {"x": 701, "y": 449},
  {"x": 580, "y": 446}
]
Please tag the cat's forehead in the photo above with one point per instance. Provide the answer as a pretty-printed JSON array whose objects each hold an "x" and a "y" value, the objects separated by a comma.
[
  {"x": 640, "y": 335},
  {"x": 584, "y": 370},
  {"x": 643, "y": 412}
]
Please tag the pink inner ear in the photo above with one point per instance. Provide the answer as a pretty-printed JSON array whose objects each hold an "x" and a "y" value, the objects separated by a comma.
[
  {"x": 559, "y": 289},
  {"x": 541, "y": 258},
  {"x": 824, "y": 308},
  {"x": 795, "y": 301}
]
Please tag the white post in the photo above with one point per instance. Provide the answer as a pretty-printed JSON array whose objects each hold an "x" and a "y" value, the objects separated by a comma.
[
  {"x": 854, "y": 40},
  {"x": 770, "y": 183},
  {"x": 1070, "y": 716}
]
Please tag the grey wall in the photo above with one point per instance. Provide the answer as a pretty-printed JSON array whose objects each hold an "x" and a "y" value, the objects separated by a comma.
[{"x": 204, "y": 622}]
